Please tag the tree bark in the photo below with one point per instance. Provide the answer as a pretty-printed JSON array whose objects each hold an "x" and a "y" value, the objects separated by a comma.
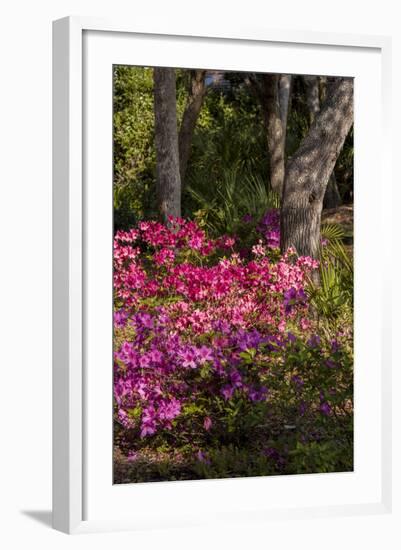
[
  {"x": 192, "y": 109},
  {"x": 332, "y": 197},
  {"x": 265, "y": 88},
  {"x": 274, "y": 130},
  {"x": 168, "y": 182},
  {"x": 285, "y": 85},
  {"x": 312, "y": 96},
  {"x": 309, "y": 170}
]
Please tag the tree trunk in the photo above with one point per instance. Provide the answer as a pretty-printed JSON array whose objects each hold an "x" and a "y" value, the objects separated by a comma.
[
  {"x": 285, "y": 84},
  {"x": 192, "y": 109},
  {"x": 168, "y": 182},
  {"x": 265, "y": 87},
  {"x": 274, "y": 130},
  {"x": 309, "y": 169},
  {"x": 332, "y": 198},
  {"x": 312, "y": 96}
]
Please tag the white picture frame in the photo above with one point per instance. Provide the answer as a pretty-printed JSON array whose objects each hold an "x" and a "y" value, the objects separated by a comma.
[{"x": 71, "y": 244}]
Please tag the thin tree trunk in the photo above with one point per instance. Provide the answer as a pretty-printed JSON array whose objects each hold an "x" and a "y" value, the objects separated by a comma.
[
  {"x": 274, "y": 130},
  {"x": 285, "y": 85},
  {"x": 192, "y": 109},
  {"x": 309, "y": 169},
  {"x": 332, "y": 198},
  {"x": 168, "y": 182},
  {"x": 312, "y": 96},
  {"x": 265, "y": 87}
]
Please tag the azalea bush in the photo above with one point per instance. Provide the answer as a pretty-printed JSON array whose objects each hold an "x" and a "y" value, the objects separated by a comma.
[{"x": 222, "y": 367}]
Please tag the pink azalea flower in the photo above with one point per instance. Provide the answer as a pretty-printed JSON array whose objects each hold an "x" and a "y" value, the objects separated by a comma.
[{"x": 207, "y": 423}]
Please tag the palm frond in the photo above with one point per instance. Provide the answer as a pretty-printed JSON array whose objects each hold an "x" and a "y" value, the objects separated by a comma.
[{"x": 332, "y": 232}]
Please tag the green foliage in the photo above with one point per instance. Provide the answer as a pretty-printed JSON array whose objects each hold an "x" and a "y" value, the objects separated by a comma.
[
  {"x": 134, "y": 156},
  {"x": 221, "y": 206},
  {"x": 331, "y": 232},
  {"x": 290, "y": 422},
  {"x": 316, "y": 457},
  {"x": 333, "y": 295},
  {"x": 229, "y": 149},
  {"x": 228, "y": 176},
  {"x": 228, "y": 135},
  {"x": 231, "y": 461},
  {"x": 228, "y": 173}
]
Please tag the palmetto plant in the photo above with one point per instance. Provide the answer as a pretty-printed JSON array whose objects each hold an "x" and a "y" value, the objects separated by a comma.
[
  {"x": 334, "y": 292},
  {"x": 228, "y": 177},
  {"x": 222, "y": 204}
]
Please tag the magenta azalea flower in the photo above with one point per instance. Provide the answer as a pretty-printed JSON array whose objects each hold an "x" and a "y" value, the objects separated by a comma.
[
  {"x": 187, "y": 358},
  {"x": 204, "y": 354},
  {"x": 325, "y": 408},
  {"x": 180, "y": 307},
  {"x": 227, "y": 392}
]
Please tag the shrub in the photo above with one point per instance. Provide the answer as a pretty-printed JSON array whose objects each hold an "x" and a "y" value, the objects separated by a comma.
[{"x": 217, "y": 356}]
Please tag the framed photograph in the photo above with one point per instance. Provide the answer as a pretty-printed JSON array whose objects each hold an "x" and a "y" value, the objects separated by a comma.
[{"x": 220, "y": 332}]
